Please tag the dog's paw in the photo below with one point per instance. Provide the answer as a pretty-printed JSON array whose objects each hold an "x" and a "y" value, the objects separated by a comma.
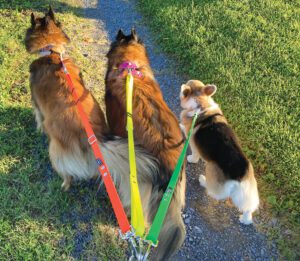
[
  {"x": 191, "y": 159},
  {"x": 244, "y": 219},
  {"x": 202, "y": 180},
  {"x": 65, "y": 186}
]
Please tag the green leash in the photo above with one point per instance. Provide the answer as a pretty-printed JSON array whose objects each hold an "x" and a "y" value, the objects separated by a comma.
[{"x": 166, "y": 200}]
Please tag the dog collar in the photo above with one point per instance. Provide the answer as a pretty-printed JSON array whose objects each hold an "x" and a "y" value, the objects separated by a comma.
[
  {"x": 130, "y": 67},
  {"x": 202, "y": 120},
  {"x": 47, "y": 50}
]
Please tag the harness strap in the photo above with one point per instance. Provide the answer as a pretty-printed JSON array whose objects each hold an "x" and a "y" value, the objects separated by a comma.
[
  {"x": 176, "y": 145},
  {"x": 203, "y": 120},
  {"x": 102, "y": 167}
]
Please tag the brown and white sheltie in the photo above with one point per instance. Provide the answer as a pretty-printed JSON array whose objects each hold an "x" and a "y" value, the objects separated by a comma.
[
  {"x": 228, "y": 173},
  {"x": 57, "y": 115},
  {"x": 155, "y": 128}
]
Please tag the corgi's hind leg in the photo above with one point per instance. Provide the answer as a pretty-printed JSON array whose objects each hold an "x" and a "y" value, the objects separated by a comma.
[
  {"x": 202, "y": 180},
  {"x": 246, "y": 218},
  {"x": 183, "y": 129},
  {"x": 215, "y": 183},
  {"x": 195, "y": 156}
]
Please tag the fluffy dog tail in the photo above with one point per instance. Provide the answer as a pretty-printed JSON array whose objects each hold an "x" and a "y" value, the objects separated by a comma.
[
  {"x": 115, "y": 152},
  {"x": 173, "y": 231}
]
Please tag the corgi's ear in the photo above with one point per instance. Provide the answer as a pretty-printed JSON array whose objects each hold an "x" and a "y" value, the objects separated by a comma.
[
  {"x": 185, "y": 90},
  {"x": 32, "y": 20},
  {"x": 120, "y": 35},
  {"x": 210, "y": 89},
  {"x": 51, "y": 13}
]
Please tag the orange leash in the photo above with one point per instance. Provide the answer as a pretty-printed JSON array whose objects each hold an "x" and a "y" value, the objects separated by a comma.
[{"x": 102, "y": 167}]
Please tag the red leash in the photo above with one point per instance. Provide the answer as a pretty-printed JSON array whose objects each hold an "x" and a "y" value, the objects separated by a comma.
[{"x": 102, "y": 167}]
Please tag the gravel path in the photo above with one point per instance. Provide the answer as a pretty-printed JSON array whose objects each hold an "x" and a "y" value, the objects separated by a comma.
[{"x": 213, "y": 229}]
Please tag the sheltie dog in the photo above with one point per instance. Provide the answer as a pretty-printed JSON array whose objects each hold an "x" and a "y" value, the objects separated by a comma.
[
  {"x": 228, "y": 173},
  {"x": 155, "y": 128},
  {"x": 56, "y": 114}
]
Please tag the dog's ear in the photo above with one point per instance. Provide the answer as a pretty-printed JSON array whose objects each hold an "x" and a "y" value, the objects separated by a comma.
[
  {"x": 32, "y": 20},
  {"x": 120, "y": 35},
  {"x": 51, "y": 13},
  {"x": 134, "y": 35},
  {"x": 210, "y": 89},
  {"x": 185, "y": 90},
  {"x": 46, "y": 20}
]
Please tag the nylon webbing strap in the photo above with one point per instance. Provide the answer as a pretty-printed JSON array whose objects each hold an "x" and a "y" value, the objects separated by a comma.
[
  {"x": 137, "y": 217},
  {"x": 102, "y": 167},
  {"x": 166, "y": 200}
]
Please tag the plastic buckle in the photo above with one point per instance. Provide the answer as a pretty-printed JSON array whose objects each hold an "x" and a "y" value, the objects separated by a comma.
[{"x": 92, "y": 139}]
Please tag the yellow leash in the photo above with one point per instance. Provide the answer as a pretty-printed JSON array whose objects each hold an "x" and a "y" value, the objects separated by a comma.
[{"x": 137, "y": 217}]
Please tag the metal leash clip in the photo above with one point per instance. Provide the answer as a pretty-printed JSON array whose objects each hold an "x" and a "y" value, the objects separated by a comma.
[
  {"x": 137, "y": 255},
  {"x": 137, "y": 245},
  {"x": 130, "y": 237},
  {"x": 144, "y": 250}
]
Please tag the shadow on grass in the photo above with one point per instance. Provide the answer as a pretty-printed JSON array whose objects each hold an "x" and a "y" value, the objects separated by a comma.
[
  {"x": 36, "y": 6},
  {"x": 30, "y": 188}
]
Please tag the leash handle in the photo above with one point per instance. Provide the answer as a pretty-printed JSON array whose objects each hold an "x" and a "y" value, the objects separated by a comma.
[
  {"x": 102, "y": 167},
  {"x": 137, "y": 217},
  {"x": 167, "y": 197}
]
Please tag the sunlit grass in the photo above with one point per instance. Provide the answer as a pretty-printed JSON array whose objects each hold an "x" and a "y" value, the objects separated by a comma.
[{"x": 251, "y": 51}]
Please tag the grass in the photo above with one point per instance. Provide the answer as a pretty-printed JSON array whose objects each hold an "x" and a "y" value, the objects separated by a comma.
[
  {"x": 37, "y": 220},
  {"x": 251, "y": 50}
]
